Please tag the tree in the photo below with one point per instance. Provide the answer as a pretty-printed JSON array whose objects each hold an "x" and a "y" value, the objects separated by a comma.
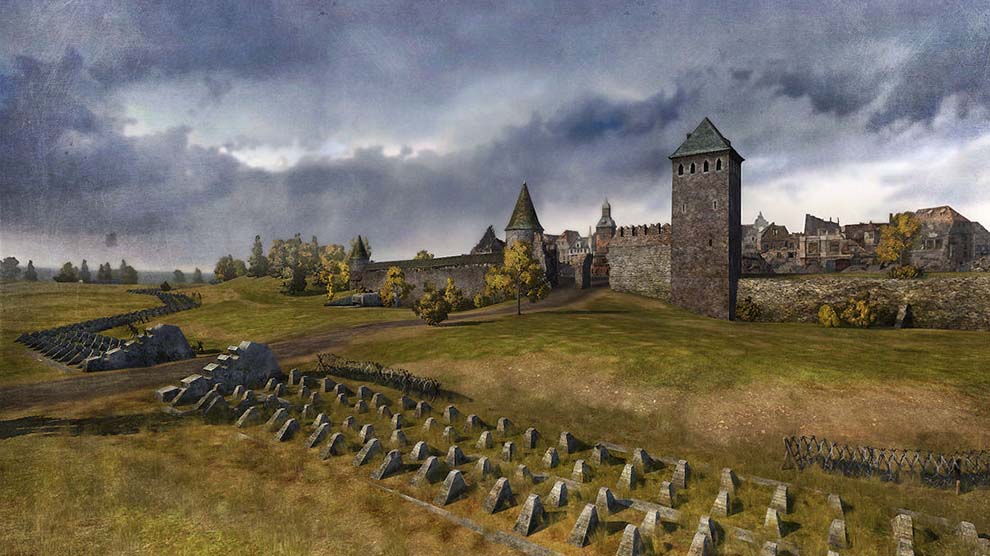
[
  {"x": 453, "y": 295},
  {"x": 127, "y": 273},
  {"x": 395, "y": 290},
  {"x": 257, "y": 262},
  {"x": 165, "y": 286},
  {"x": 336, "y": 275},
  {"x": 30, "y": 275},
  {"x": 84, "y": 274},
  {"x": 67, "y": 273},
  {"x": 897, "y": 238},
  {"x": 432, "y": 307},
  {"x": 8, "y": 269},
  {"x": 519, "y": 276},
  {"x": 178, "y": 276},
  {"x": 228, "y": 268},
  {"x": 197, "y": 276},
  {"x": 423, "y": 255},
  {"x": 104, "y": 274},
  {"x": 296, "y": 283}
]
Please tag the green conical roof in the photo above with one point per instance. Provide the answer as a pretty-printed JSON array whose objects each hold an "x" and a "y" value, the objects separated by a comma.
[
  {"x": 359, "y": 251},
  {"x": 524, "y": 215},
  {"x": 705, "y": 138}
]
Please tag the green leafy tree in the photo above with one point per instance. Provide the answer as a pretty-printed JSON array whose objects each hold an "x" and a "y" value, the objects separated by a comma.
[
  {"x": 225, "y": 269},
  {"x": 67, "y": 273},
  {"x": 432, "y": 307},
  {"x": 453, "y": 295},
  {"x": 104, "y": 274},
  {"x": 197, "y": 276},
  {"x": 84, "y": 274},
  {"x": 127, "y": 273},
  {"x": 8, "y": 269},
  {"x": 395, "y": 290},
  {"x": 30, "y": 274},
  {"x": 423, "y": 255},
  {"x": 296, "y": 283},
  {"x": 519, "y": 276},
  {"x": 257, "y": 262},
  {"x": 178, "y": 276}
]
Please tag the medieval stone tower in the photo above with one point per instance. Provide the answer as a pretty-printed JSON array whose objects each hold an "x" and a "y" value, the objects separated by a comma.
[
  {"x": 706, "y": 235},
  {"x": 525, "y": 226}
]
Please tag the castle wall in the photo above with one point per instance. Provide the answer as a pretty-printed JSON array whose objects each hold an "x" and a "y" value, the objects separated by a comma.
[
  {"x": 639, "y": 260},
  {"x": 468, "y": 272},
  {"x": 957, "y": 302}
]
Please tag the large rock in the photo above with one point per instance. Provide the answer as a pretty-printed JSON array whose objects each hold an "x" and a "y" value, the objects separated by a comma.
[{"x": 249, "y": 363}]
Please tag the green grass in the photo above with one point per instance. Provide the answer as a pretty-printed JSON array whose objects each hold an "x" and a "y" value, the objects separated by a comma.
[
  {"x": 253, "y": 309},
  {"x": 26, "y": 307},
  {"x": 652, "y": 344},
  {"x": 242, "y": 309}
]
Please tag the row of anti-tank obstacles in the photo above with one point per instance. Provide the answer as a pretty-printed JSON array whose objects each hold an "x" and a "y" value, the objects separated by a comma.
[
  {"x": 74, "y": 344},
  {"x": 317, "y": 397}
]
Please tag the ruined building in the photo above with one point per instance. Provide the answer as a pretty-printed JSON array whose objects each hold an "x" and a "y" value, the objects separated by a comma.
[{"x": 706, "y": 249}]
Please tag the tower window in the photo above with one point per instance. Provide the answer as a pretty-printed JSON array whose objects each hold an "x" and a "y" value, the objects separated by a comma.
[
  {"x": 714, "y": 205},
  {"x": 705, "y": 167},
  {"x": 692, "y": 167},
  {"x": 718, "y": 165},
  {"x": 684, "y": 208},
  {"x": 710, "y": 242},
  {"x": 680, "y": 169}
]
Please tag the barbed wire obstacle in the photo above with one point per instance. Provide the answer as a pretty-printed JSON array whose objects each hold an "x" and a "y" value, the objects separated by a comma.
[
  {"x": 370, "y": 371},
  {"x": 968, "y": 468}
]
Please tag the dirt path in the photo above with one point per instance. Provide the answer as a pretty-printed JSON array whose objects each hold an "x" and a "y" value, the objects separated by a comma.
[{"x": 89, "y": 385}]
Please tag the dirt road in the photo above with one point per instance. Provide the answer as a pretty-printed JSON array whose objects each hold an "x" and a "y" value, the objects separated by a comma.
[{"x": 89, "y": 385}]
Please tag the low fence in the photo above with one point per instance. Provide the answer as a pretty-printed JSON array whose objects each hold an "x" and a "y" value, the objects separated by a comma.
[
  {"x": 970, "y": 468},
  {"x": 369, "y": 371}
]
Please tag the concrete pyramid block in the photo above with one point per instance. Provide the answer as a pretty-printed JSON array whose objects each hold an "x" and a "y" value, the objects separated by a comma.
[
  {"x": 580, "y": 474},
  {"x": 428, "y": 473},
  {"x": 585, "y": 527},
  {"x": 321, "y": 419},
  {"x": 398, "y": 421},
  {"x": 567, "y": 443},
  {"x": 728, "y": 481},
  {"x": 642, "y": 460},
  {"x": 723, "y": 504},
  {"x": 390, "y": 466},
  {"x": 349, "y": 423},
  {"x": 455, "y": 456},
  {"x": 668, "y": 494},
  {"x": 420, "y": 451},
  {"x": 599, "y": 455},
  {"x": 423, "y": 409},
  {"x": 771, "y": 522},
  {"x": 530, "y": 438},
  {"x": 558, "y": 495},
  {"x": 682, "y": 474},
  {"x": 651, "y": 526},
  {"x": 606, "y": 500},
  {"x": 628, "y": 478},
  {"x": 701, "y": 545},
  {"x": 318, "y": 436},
  {"x": 288, "y": 430},
  {"x": 769, "y": 549},
  {"x": 551, "y": 459},
  {"x": 483, "y": 468},
  {"x": 499, "y": 497},
  {"x": 780, "y": 500},
  {"x": 450, "y": 414},
  {"x": 530, "y": 517},
  {"x": 503, "y": 427},
  {"x": 837, "y": 534},
  {"x": 631, "y": 543},
  {"x": 508, "y": 451},
  {"x": 485, "y": 441},
  {"x": 366, "y": 433},
  {"x": 398, "y": 439},
  {"x": 334, "y": 447},
  {"x": 277, "y": 419},
  {"x": 251, "y": 416},
  {"x": 453, "y": 487},
  {"x": 430, "y": 425},
  {"x": 523, "y": 474},
  {"x": 472, "y": 423},
  {"x": 371, "y": 449}
]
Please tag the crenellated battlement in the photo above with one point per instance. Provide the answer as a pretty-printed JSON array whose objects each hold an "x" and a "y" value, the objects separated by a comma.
[{"x": 643, "y": 233}]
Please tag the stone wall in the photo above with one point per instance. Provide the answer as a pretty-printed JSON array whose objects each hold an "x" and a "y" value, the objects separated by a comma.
[
  {"x": 468, "y": 272},
  {"x": 955, "y": 302},
  {"x": 639, "y": 260}
]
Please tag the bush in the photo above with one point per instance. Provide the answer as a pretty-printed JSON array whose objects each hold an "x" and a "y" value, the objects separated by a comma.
[
  {"x": 747, "y": 310},
  {"x": 861, "y": 311},
  {"x": 828, "y": 317},
  {"x": 165, "y": 286},
  {"x": 395, "y": 290},
  {"x": 432, "y": 306},
  {"x": 904, "y": 272}
]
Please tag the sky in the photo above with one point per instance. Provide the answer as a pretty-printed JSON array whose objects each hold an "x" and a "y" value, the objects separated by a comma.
[{"x": 188, "y": 127}]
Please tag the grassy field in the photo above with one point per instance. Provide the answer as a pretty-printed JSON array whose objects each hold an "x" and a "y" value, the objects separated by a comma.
[
  {"x": 608, "y": 366},
  {"x": 25, "y": 307},
  {"x": 238, "y": 310}
]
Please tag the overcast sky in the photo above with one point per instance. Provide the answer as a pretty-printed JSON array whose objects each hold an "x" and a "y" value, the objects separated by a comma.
[{"x": 187, "y": 128}]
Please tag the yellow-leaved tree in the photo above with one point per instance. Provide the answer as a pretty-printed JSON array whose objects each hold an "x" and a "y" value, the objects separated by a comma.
[
  {"x": 897, "y": 238},
  {"x": 336, "y": 275},
  {"x": 519, "y": 276},
  {"x": 395, "y": 290}
]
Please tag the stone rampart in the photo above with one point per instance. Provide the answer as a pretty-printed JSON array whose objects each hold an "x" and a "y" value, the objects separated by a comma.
[
  {"x": 953, "y": 302},
  {"x": 468, "y": 272},
  {"x": 639, "y": 260}
]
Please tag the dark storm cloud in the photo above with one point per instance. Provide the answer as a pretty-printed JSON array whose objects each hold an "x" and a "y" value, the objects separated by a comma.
[
  {"x": 838, "y": 93},
  {"x": 594, "y": 118}
]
